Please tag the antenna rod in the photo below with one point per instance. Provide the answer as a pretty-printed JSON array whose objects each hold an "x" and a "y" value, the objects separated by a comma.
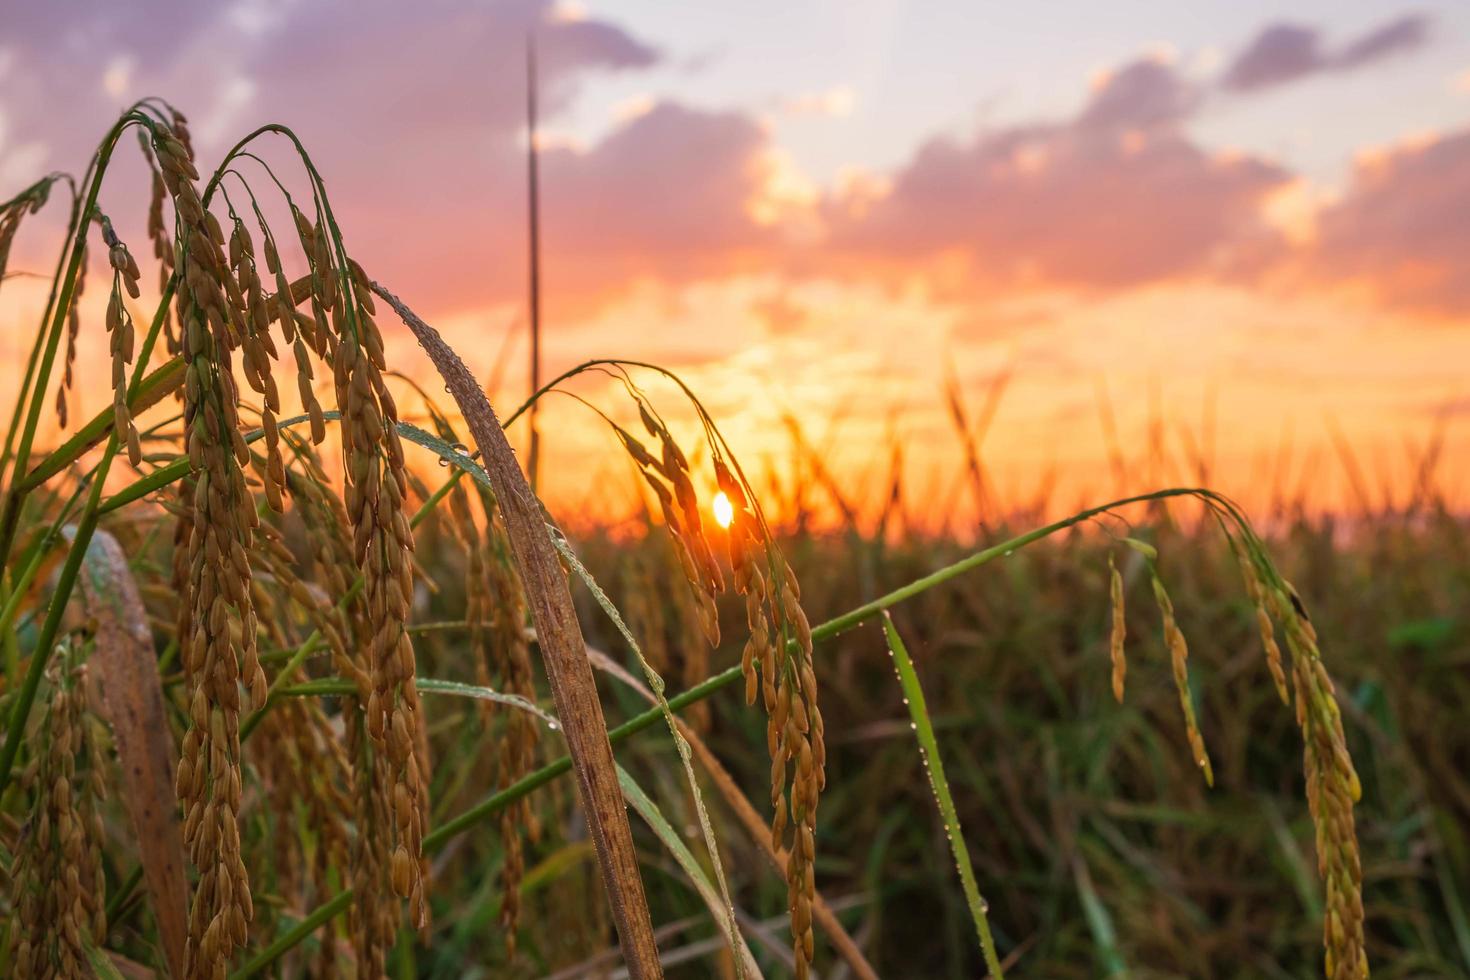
[{"x": 535, "y": 255}]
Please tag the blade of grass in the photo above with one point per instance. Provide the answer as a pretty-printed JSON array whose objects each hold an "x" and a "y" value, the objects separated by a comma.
[
  {"x": 1099, "y": 923},
  {"x": 914, "y": 697},
  {"x": 716, "y": 901},
  {"x": 755, "y": 825},
  {"x": 656, "y": 684},
  {"x": 101, "y": 964}
]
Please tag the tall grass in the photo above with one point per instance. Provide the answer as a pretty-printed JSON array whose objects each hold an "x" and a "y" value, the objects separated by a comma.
[{"x": 294, "y": 599}]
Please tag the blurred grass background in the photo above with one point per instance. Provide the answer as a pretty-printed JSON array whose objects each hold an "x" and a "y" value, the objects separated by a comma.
[{"x": 1097, "y": 844}]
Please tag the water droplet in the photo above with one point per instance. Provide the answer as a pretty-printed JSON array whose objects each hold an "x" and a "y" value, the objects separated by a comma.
[{"x": 552, "y": 725}]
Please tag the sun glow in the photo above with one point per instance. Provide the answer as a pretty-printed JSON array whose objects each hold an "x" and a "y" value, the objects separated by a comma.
[{"x": 724, "y": 510}]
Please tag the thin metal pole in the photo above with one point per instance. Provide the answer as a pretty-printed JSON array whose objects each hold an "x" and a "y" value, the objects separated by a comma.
[{"x": 533, "y": 460}]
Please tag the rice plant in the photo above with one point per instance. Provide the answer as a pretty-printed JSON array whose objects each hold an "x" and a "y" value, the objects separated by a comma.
[{"x": 219, "y": 758}]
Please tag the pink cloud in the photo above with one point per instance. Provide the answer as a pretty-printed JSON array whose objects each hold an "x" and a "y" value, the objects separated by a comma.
[
  {"x": 1400, "y": 229},
  {"x": 666, "y": 196},
  {"x": 415, "y": 116},
  {"x": 1115, "y": 197},
  {"x": 414, "y": 113}
]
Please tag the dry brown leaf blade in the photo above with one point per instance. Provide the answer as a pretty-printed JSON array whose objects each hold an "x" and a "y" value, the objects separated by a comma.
[
  {"x": 123, "y": 674},
  {"x": 562, "y": 649}
]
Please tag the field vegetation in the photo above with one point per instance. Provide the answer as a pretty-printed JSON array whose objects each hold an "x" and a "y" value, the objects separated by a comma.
[{"x": 282, "y": 697}]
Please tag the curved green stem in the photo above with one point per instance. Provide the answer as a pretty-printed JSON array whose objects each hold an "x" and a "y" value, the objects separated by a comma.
[
  {"x": 15, "y": 496},
  {"x": 87, "y": 524},
  {"x": 154, "y": 386},
  {"x": 25, "y": 387}
]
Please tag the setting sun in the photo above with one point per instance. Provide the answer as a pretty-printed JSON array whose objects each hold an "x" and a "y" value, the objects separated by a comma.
[{"x": 724, "y": 511}]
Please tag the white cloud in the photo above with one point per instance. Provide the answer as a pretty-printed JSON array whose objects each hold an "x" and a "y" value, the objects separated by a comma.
[
  {"x": 220, "y": 121},
  {"x": 568, "y": 12},
  {"x": 632, "y": 107},
  {"x": 118, "y": 76},
  {"x": 838, "y": 101}
]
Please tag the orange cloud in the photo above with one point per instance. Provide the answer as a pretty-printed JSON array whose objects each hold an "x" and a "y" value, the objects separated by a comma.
[{"x": 1398, "y": 230}]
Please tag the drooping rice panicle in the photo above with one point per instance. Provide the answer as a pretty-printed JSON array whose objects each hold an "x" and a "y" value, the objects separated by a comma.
[
  {"x": 58, "y": 897},
  {"x": 1119, "y": 630},
  {"x": 1179, "y": 665},
  {"x": 382, "y": 548},
  {"x": 217, "y": 626}
]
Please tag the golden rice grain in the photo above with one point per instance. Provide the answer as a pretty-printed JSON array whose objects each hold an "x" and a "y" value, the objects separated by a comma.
[
  {"x": 1256, "y": 590},
  {"x": 1119, "y": 630},
  {"x": 1332, "y": 790},
  {"x": 57, "y": 872},
  {"x": 218, "y": 623},
  {"x": 794, "y": 730},
  {"x": 376, "y": 486},
  {"x": 1179, "y": 662}
]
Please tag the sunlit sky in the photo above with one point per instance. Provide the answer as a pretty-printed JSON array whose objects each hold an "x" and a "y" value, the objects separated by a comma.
[{"x": 1232, "y": 234}]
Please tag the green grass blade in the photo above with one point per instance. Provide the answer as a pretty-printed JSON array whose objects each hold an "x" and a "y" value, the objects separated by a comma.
[
  {"x": 918, "y": 711},
  {"x": 1099, "y": 922},
  {"x": 669, "y": 837},
  {"x": 102, "y": 965},
  {"x": 656, "y": 683}
]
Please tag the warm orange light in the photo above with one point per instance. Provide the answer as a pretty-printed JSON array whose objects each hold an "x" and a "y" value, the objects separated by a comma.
[{"x": 724, "y": 510}]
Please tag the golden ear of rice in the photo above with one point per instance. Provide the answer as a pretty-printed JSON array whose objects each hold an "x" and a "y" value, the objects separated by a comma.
[
  {"x": 302, "y": 762},
  {"x": 121, "y": 338},
  {"x": 57, "y": 870},
  {"x": 1332, "y": 790},
  {"x": 376, "y": 486},
  {"x": 73, "y": 328},
  {"x": 217, "y": 625},
  {"x": 1119, "y": 630},
  {"x": 788, "y": 683},
  {"x": 668, "y": 476},
  {"x": 1179, "y": 662},
  {"x": 1255, "y": 589}
]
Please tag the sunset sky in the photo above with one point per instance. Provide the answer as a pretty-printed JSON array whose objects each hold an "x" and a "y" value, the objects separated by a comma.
[{"x": 823, "y": 210}]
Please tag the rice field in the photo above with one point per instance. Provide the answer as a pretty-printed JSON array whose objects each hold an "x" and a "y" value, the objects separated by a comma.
[{"x": 282, "y": 697}]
